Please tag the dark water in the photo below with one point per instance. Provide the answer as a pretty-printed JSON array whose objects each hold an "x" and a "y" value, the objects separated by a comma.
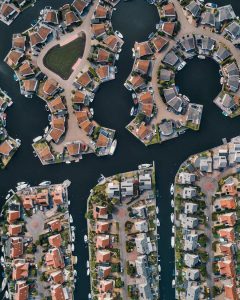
[{"x": 27, "y": 118}]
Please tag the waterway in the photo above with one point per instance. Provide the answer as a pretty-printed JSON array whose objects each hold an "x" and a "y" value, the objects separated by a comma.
[{"x": 27, "y": 118}]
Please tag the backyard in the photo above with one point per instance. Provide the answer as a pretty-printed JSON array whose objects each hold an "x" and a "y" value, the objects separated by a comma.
[{"x": 60, "y": 60}]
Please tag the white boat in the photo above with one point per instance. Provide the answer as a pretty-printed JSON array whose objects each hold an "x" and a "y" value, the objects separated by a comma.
[
  {"x": 6, "y": 295},
  {"x": 173, "y": 283},
  {"x": 46, "y": 129},
  {"x": 75, "y": 273},
  {"x": 159, "y": 268},
  {"x": 2, "y": 259},
  {"x": 21, "y": 183},
  {"x": 134, "y": 96},
  {"x": 181, "y": 66},
  {"x": 89, "y": 296},
  {"x": 87, "y": 263},
  {"x": 8, "y": 196},
  {"x": 172, "y": 189},
  {"x": 173, "y": 229},
  {"x": 92, "y": 111},
  {"x": 172, "y": 217},
  {"x": 85, "y": 238},
  {"x": 101, "y": 178},
  {"x": 172, "y": 203},
  {"x": 88, "y": 272},
  {"x": 45, "y": 183},
  {"x": 73, "y": 236},
  {"x": 21, "y": 187},
  {"x": 38, "y": 138},
  {"x": 144, "y": 166},
  {"x": 73, "y": 228},
  {"x": 172, "y": 242},
  {"x": 132, "y": 111},
  {"x": 118, "y": 33},
  {"x": 201, "y": 57},
  {"x": 69, "y": 202},
  {"x": 4, "y": 283},
  {"x": 157, "y": 209},
  {"x": 158, "y": 223},
  {"x": 113, "y": 147},
  {"x": 70, "y": 218},
  {"x": 73, "y": 247}
]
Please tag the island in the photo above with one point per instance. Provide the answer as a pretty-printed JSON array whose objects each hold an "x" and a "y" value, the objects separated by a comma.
[
  {"x": 122, "y": 236},
  {"x": 63, "y": 58},
  {"x": 8, "y": 145},
  {"x": 186, "y": 29},
  {"x": 207, "y": 224},
  {"x": 37, "y": 243}
]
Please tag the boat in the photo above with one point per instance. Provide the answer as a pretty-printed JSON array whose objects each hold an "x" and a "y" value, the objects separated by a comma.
[
  {"x": 172, "y": 217},
  {"x": 8, "y": 196},
  {"x": 89, "y": 296},
  {"x": 181, "y": 66},
  {"x": 134, "y": 96},
  {"x": 144, "y": 166},
  {"x": 172, "y": 189},
  {"x": 87, "y": 263},
  {"x": 69, "y": 202},
  {"x": 4, "y": 283},
  {"x": 21, "y": 187},
  {"x": 21, "y": 183},
  {"x": 132, "y": 111},
  {"x": 101, "y": 178},
  {"x": 45, "y": 183},
  {"x": 151, "y": 35},
  {"x": 6, "y": 295},
  {"x": 172, "y": 242},
  {"x": 67, "y": 162},
  {"x": 70, "y": 218},
  {"x": 37, "y": 139},
  {"x": 73, "y": 236},
  {"x": 88, "y": 272},
  {"x": 173, "y": 229},
  {"x": 46, "y": 129},
  {"x": 158, "y": 223},
  {"x": 75, "y": 273},
  {"x": 85, "y": 238},
  {"x": 115, "y": 69},
  {"x": 118, "y": 33},
  {"x": 173, "y": 283},
  {"x": 159, "y": 268},
  {"x": 157, "y": 209},
  {"x": 113, "y": 147},
  {"x": 201, "y": 57},
  {"x": 211, "y": 5},
  {"x": 73, "y": 228},
  {"x": 172, "y": 203},
  {"x": 73, "y": 247},
  {"x": 92, "y": 111}
]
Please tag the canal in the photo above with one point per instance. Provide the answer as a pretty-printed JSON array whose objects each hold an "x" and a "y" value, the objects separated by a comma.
[{"x": 199, "y": 80}]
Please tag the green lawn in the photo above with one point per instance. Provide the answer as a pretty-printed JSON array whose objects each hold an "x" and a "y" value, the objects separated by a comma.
[{"x": 60, "y": 60}]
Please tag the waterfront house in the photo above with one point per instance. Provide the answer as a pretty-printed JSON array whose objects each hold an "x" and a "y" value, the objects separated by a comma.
[
  {"x": 233, "y": 30},
  {"x": 186, "y": 178},
  {"x": 71, "y": 18},
  {"x": 168, "y": 12},
  {"x": 44, "y": 153},
  {"x": 145, "y": 181},
  {"x": 113, "y": 189},
  {"x": 140, "y": 211},
  {"x": 103, "y": 256},
  {"x": 219, "y": 162},
  {"x": 112, "y": 42},
  {"x": 55, "y": 225},
  {"x": 190, "y": 241},
  {"x": 58, "y": 292},
  {"x": 56, "y": 105},
  {"x": 171, "y": 59},
  {"x": 54, "y": 259},
  {"x": 14, "y": 247},
  {"x": 166, "y": 128},
  {"x": 14, "y": 230},
  {"x": 57, "y": 277},
  {"x": 192, "y": 274},
  {"x": 194, "y": 9},
  {"x": 26, "y": 69},
  {"x": 170, "y": 93},
  {"x": 13, "y": 58},
  {"x": 188, "y": 43},
  {"x": 6, "y": 148},
  {"x": 136, "y": 82},
  {"x": 208, "y": 18},
  {"x": 8, "y": 12},
  {"x": 145, "y": 104},
  {"x": 188, "y": 222},
  {"x": 98, "y": 30},
  {"x": 190, "y": 208},
  {"x": 57, "y": 128},
  {"x": 22, "y": 290},
  {"x": 50, "y": 87},
  {"x": 102, "y": 141},
  {"x": 191, "y": 260},
  {"x": 50, "y": 16},
  {"x": 143, "y": 245},
  {"x": 142, "y": 266},
  {"x": 104, "y": 271},
  {"x": 84, "y": 80},
  {"x": 55, "y": 240},
  {"x": 205, "y": 44},
  {"x": 142, "y": 66},
  {"x": 100, "y": 212},
  {"x": 142, "y": 49},
  {"x": 79, "y": 97},
  {"x": 12, "y": 216},
  {"x": 19, "y": 42},
  {"x": 159, "y": 43},
  {"x": 20, "y": 269},
  {"x": 144, "y": 132},
  {"x": 103, "y": 72},
  {"x": 79, "y": 6},
  {"x": 145, "y": 291},
  {"x": 205, "y": 164},
  {"x": 193, "y": 291},
  {"x": 102, "y": 241},
  {"x": 103, "y": 56},
  {"x": 189, "y": 192},
  {"x": 225, "y": 13},
  {"x": 127, "y": 188},
  {"x": 102, "y": 226},
  {"x": 141, "y": 226},
  {"x": 105, "y": 286},
  {"x": 168, "y": 28},
  {"x": 165, "y": 75},
  {"x": 35, "y": 39},
  {"x": 226, "y": 103},
  {"x": 29, "y": 86},
  {"x": 222, "y": 53},
  {"x": 230, "y": 289},
  {"x": 229, "y": 186},
  {"x": 101, "y": 12}
]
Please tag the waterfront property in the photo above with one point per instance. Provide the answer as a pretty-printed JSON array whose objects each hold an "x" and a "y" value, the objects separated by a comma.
[
  {"x": 122, "y": 236},
  {"x": 63, "y": 59},
  {"x": 36, "y": 243},
  {"x": 8, "y": 145},
  {"x": 186, "y": 29},
  {"x": 206, "y": 220}
]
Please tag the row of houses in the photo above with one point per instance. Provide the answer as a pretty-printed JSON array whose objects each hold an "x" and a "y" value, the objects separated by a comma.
[{"x": 35, "y": 236}]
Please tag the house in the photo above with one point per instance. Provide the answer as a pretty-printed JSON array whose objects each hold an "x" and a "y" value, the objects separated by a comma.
[
  {"x": 191, "y": 260},
  {"x": 205, "y": 164},
  {"x": 58, "y": 292},
  {"x": 188, "y": 43},
  {"x": 144, "y": 133},
  {"x": 102, "y": 141},
  {"x": 228, "y": 218},
  {"x": 226, "y": 102},
  {"x": 103, "y": 72},
  {"x": 50, "y": 16},
  {"x": 189, "y": 192},
  {"x": 55, "y": 240},
  {"x": 13, "y": 215},
  {"x": 142, "y": 266},
  {"x": 57, "y": 277},
  {"x": 13, "y": 58},
  {"x": 166, "y": 128},
  {"x": 102, "y": 241},
  {"x": 6, "y": 148},
  {"x": 227, "y": 249},
  {"x": 54, "y": 259},
  {"x": 142, "y": 49},
  {"x": 233, "y": 30},
  {"x": 140, "y": 211},
  {"x": 103, "y": 271},
  {"x": 145, "y": 181},
  {"x": 190, "y": 242},
  {"x": 50, "y": 87},
  {"x": 84, "y": 80},
  {"x": 219, "y": 162},
  {"x": 79, "y": 98},
  {"x": 102, "y": 226},
  {"x": 168, "y": 11},
  {"x": 141, "y": 226},
  {"x": 100, "y": 212},
  {"x": 8, "y": 12},
  {"x": 186, "y": 178},
  {"x": 103, "y": 56},
  {"x": 165, "y": 75},
  {"x": 168, "y": 28},
  {"x": 14, "y": 230},
  {"x": 222, "y": 53},
  {"x": 206, "y": 44},
  {"x": 101, "y": 12},
  {"x": 190, "y": 208},
  {"x": 19, "y": 42},
  {"x": 193, "y": 292},
  {"x": 112, "y": 42},
  {"x": 80, "y": 6},
  {"x": 145, "y": 104},
  {"x": 45, "y": 153},
  {"x": 127, "y": 188},
  {"x": 105, "y": 286},
  {"x": 192, "y": 274},
  {"x": 225, "y": 13},
  {"x": 194, "y": 9},
  {"x": 56, "y": 105},
  {"x": 171, "y": 59},
  {"x": 227, "y": 233},
  {"x": 57, "y": 129},
  {"x": 55, "y": 225},
  {"x": 136, "y": 82},
  {"x": 188, "y": 222},
  {"x": 98, "y": 30},
  {"x": 208, "y": 18},
  {"x": 145, "y": 291},
  {"x": 16, "y": 247},
  {"x": 230, "y": 290},
  {"x": 71, "y": 18},
  {"x": 20, "y": 270},
  {"x": 113, "y": 189},
  {"x": 25, "y": 69},
  {"x": 29, "y": 86},
  {"x": 103, "y": 256},
  {"x": 22, "y": 290},
  {"x": 226, "y": 268},
  {"x": 159, "y": 43},
  {"x": 142, "y": 66},
  {"x": 143, "y": 245}
]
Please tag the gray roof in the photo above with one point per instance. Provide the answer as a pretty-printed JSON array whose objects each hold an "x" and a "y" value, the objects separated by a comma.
[
  {"x": 176, "y": 103},
  {"x": 223, "y": 53},
  {"x": 192, "y": 274},
  {"x": 226, "y": 13},
  {"x": 227, "y": 101},
  {"x": 233, "y": 29},
  {"x": 207, "y": 43},
  {"x": 231, "y": 69},
  {"x": 208, "y": 19},
  {"x": 170, "y": 58},
  {"x": 166, "y": 128},
  {"x": 165, "y": 75},
  {"x": 188, "y": 43},
  {"x": 169, "y": 93},
  {"x": 193, "y": 292},
  {"x": 194, "y": 8}
]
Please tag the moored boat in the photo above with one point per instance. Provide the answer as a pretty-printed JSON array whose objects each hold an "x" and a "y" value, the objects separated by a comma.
[
  {"x": 113, "y": 147},
  {"x": 172, "y": 189},
  {"x": 172, "y": 217},
  {"x": 172, "y": 241},
  {"x": 85, "y": 238}
]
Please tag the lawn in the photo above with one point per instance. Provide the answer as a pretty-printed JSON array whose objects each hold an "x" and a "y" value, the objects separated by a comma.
[{"x": 60, "y": 60}]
